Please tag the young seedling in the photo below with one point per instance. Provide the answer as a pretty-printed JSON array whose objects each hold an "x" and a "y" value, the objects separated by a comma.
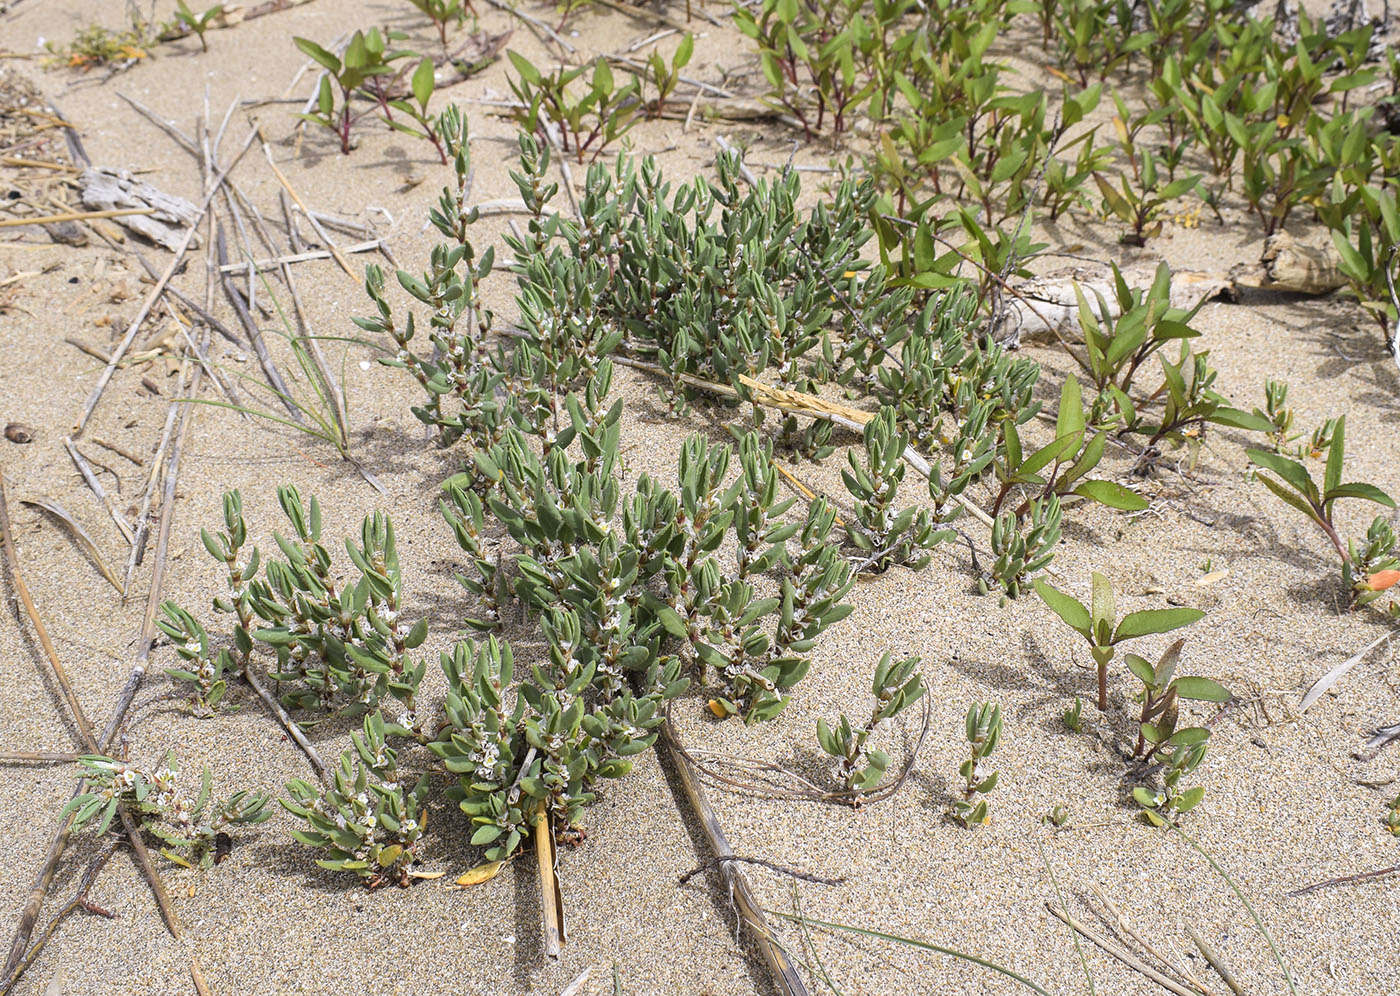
[
  {"x": 189, "y": 827},
  {"x": 1295, "y": 485},
  {"x": 896, "y": 686},
  {"x": 585, "y": 122},
  {"x": 1060, "y": 468},
  {"x": 1172, "y": 802},
  {"x": 420, "y": 85},
  {"x": 1096, "y": 623},
  {"x": 1162, "y": 688},
  {"x": 1073, "y": 716},
  {"x": 198, "y": 23},
  {"x": 983, "y": 735},
  {"x": 1278, "y": 415},
  {"x": 665, "y": 76},
  {"x": 364, "y": 59},
  {"x": 445, "y": 12}
]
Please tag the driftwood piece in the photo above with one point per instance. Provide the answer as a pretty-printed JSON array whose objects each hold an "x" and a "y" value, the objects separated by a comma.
[
  {"x": 106, "y": 189},
  {"x": 1290, "y": 266},
  {"x": 1047, "y": 308}
]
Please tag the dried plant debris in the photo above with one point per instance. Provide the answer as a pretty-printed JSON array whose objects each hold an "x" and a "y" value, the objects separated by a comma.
[{"x": 107, "y": 189}]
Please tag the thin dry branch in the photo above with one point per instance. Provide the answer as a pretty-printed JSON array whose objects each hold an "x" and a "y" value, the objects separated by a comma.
[
  {"x": 287, "y": 186},
  {"x": 155, "y": 293},
  {"x": 807, "y": 791},
  {"x": 1122, "y": 954},
  {"x": 750, "y": 911},
  {"x": 799, "y": 404},
  {"x": 96, "y": 487},
  {"x": 53, "y": 219},
  {"x": 79, "y": 901}
]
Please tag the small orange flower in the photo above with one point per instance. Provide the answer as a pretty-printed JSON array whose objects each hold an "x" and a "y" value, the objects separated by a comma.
[{"x": 1382, "y": 580}]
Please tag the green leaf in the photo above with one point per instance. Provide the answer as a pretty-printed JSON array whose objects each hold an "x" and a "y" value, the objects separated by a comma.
[
  {"x": 1150, "y": 621},
  {"x": 1332, "y": 478},
  {"x": 423, "y": 82},
  {"x": 671, "y": 622},
  {"x": 1202, "y": 690},
  {"x": 1141, "y": 668},
  {"x": 1234, "y": 418},
  {"x": 1113, "y": 495},
  {"x": 1101, "y": 609},
  {"x": 318, "y": 54},
  {"x": 1359, "y": 490},
  {"x": 1071, "y": 417},
  {"x": 1068, "y": 608},
  {"x": 1190, "y": 736},
  {"x": 1190, "y": 799},
  {"x": 683, "y": 52},
  {"x": 1293, "y": 472}
]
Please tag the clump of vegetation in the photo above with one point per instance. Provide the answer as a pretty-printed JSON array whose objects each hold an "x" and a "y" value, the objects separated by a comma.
[
  {"x": 340, "y": 647},
  {"x": 188, "y": 826},
  {"x": 197, "y": 23},
  {"x": 896, "y": 686},
  {"x": 96, "y": 45},
  {"x": 1162, "y": 690},
  {"x": 1293, "y": 482},
  {"x": 983, "y": 735},
  {"x": 887, "y": 534},
  {"x": 1098, "y": 625},
  {"x": 370, "y": 818},
  {"x": 204, "y": 670}
]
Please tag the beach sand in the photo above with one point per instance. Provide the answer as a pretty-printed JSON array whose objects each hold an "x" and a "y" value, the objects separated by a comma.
[{"x": 1286, "y": 802}]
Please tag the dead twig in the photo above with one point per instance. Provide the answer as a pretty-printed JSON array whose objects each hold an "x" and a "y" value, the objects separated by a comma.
[
  {"x": 1369, "y": 876},
  {"x": 750, "y": 912},
  {"x": 84, "y": 540},
  {"x": 1215, "y": 961},
  {"x": 1122, "y": 954},
  {"x": 287, "y": 186},
  {"x": 79, "y": 717},
  {"x": 79, "y": 901},
  {"x": 155, "y": 293},
  {"x": 96, "y": 487},
  {"x": 250, "y": 327},
  {"x": 288, "y": 724},
  {"x": 716, "y": 861},
  {"x": 53, "y": 219}
]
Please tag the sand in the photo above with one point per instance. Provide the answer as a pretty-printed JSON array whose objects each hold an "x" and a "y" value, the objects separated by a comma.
[{"x": 1286, "y": 802}]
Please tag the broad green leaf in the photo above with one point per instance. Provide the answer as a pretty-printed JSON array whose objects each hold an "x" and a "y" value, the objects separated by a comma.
[
  {"x": 1070, "y": 609},
  {"x": 423, "y": 82},
  {"x": 1202, "y": 690},
  {"x": 1290, "y": 470},
  {"x": 1113, "y": 495},
  {"x": 318, "y": 54},
  {"x": 1149, "y": 621},
  {"x": 1335, "y": 455},
  {"x": 1359, "y": 490},
  {"x": 1071, "y": 417}
]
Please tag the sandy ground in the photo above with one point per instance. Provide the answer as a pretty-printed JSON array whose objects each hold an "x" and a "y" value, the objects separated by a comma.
[{"x": 1285, "y": 803}]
